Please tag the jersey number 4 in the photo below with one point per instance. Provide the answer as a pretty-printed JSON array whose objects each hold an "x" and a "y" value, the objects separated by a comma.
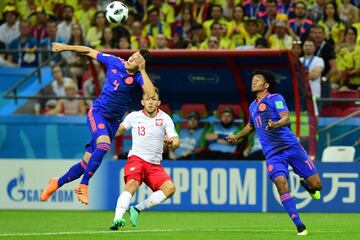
[
  {"x": 116, "y": 84},
  {"x": 141, "y": 131}
]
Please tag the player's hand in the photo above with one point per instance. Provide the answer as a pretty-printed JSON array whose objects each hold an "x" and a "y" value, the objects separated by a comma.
[
  {"x": 57, "y": 47},
  {"x": 141, "y": 61},
  {"x": 233, "y": 139},
  {"x": 270, "y": 125}
]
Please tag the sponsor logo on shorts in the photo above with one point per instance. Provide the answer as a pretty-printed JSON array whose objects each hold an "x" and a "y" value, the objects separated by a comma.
[
  {"x": 101, "y": 126},
  {"x": 270, "y": 168},
  {"x": 132, "y": 168}
]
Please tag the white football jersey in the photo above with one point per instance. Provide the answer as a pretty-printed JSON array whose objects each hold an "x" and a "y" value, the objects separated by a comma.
[{"x": 148, "y": 134}]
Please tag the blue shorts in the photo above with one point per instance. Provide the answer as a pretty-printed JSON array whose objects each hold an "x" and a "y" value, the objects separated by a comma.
[
  {"x": 296, "y": 156},
  {"x": 99, "y": 125}
]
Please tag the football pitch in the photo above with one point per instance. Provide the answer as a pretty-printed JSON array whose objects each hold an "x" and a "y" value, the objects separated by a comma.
[{"x": 175, "y": 225}]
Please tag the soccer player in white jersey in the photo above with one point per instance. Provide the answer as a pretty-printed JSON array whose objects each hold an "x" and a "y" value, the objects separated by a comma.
[{"x": 150, "y": 129}]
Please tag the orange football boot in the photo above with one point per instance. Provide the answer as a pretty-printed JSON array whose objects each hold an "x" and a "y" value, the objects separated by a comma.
[
  {"x": 82, "y": 193},
  {"x": 51, "y": 187}
]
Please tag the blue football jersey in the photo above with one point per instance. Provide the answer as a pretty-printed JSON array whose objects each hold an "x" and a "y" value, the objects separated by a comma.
[
  {"x": 119, "y": 87},
  {"x": 267, "y": 108}
]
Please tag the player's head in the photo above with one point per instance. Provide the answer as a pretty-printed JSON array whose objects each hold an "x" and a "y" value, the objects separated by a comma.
[
  {"x": 263, "y": 80},
  {"x": 132, "y": 64},
  {"x": 151, "y": 103}
]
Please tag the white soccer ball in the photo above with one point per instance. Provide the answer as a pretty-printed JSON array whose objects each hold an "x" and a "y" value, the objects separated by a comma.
[{"x": 116, "y": 12}]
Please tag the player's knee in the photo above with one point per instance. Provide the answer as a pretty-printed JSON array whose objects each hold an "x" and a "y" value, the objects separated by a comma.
[
  {"x": 169, "y": 190},
  {"x": 103, "y": 146}
]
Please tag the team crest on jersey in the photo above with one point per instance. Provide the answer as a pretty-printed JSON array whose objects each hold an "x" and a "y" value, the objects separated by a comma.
[
  {"x": 114, "y": 71},
  {"x": 159, "y": 122},
  {"x": 129, "y": 80},
  {"x": 262, "y": 107}
]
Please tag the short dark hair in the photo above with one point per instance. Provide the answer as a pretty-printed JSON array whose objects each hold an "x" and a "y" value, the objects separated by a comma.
[
  {"x": 145, "y": 54},
  {"x": 269, "y": 77}
]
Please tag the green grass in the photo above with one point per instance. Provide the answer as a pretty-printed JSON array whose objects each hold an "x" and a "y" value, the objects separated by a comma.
[{"x": 175, "y": 225}]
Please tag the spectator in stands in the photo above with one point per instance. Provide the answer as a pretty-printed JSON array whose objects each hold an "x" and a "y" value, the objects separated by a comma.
[
  {"x": 124, "y": 42},
  {"x": 38, "y": 30},
  {"x": 218, "y": 31},
  {"x": 300, "y": 24},
  {"x": 348, "y": 13},
  {"x": 69, "y": 106},
  {"x": 64, "y": 27},
  {"x": 325, "y": 50},
  {"x": 261, "y": 43},
  {"x": 212, "y": 43},
  {"x": 254, "y": 9},
  {"x": 283, "y": 36},
  {"x": 218, "y": 146},
  {"x": 216, "y": 17},
  {"x": 271, "y": 13},
  {"x": 74, "y": 61},
  {"x": 155, "y": 26},
  {"x": 314, "y": 66},
  {"x": 26, "y": 45},
  {"x": 316, "y": 11},
  {"x": 58, "y": 84},
  {"x": 297, "y": 48},
  {"x": 253, "y": 27},
  {"x": 201, "y": 11},
  {"x": 45, "y": 44},
  {"x": 198, "y": 36},
  {"x": 10, "y": 29},
  {"x": 107, "y": 39},
  {"x": 253, "y": 150},
  {"x": 135, "y": 31},
  {"x": 192, "y": 141},
  {"x": 348, "y": 60},
  {"x": 333, "y": 26},
  {"x": 145, "y": 42},
  {"x": 26, "y": 8},
  {"x": 236, "y": 30},
  {"x": 287, "y": 7},
  {"x": 85, "y": 14},
  {"x": 167, "y": 12},
  {"x": 3, "y": 61},
  {"x": 183, "y": 28},
  {"x": 99, "y": 23},
  {"x": 161, "y": 42}
]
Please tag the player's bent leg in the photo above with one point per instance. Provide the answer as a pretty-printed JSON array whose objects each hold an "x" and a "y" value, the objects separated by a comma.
[
  {"x": 168, "y": 188},
  {"x": 280, "y": 180},
  {"x": 313, "y": 185},
  {"x": 102, "y": 147}
]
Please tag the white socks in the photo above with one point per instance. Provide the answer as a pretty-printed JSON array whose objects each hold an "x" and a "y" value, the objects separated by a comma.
[
  {"x": 154, "y": 199},
  {"x": 122, "y": 205}
]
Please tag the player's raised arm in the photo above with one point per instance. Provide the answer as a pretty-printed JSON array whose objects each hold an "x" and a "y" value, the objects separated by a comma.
[
  {"x": 148, "y": 86},
  {"x": 59, "y": 47},
  {"x": 244, "y": 132}
]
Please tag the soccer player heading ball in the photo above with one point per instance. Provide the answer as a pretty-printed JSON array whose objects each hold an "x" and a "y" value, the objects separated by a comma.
[
  {"x": 269, "y": 115},
  {"x": 123, "y": 78},
  {"x": 150, "y": 128}
]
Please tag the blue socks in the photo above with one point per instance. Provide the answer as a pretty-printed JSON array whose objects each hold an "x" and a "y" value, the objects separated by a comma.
[
  {"x": 95, "y": 160},
  {"x": 290, "y": 206},
  {"x": 74, "y": 173}
]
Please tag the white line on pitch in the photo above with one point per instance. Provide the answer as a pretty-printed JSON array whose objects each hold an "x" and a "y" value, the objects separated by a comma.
[{"x": 246, "y": 230}]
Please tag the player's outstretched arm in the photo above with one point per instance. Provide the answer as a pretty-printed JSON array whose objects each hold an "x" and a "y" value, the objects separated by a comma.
[
  {"x": 244, "y": 132},
  {"x": 120, "y": 130},
  {"x": 59, "y": 47}
]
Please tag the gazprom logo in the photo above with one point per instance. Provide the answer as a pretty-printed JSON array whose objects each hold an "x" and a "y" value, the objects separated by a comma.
[{"x": 17, "y": 191}]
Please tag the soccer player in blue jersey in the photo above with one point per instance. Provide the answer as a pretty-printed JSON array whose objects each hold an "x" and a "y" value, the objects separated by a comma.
[
  {"x": 269, "y": 115},
  {"x": 123, "y": 79}
]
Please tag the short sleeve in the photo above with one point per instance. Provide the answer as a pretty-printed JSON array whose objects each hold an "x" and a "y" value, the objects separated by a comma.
[
  {"x": 106, "y": 59},
  {"x": 170, "y": 128},
  {"x": 128, "y": 120},
  {"x": 278, "y": 103}
]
